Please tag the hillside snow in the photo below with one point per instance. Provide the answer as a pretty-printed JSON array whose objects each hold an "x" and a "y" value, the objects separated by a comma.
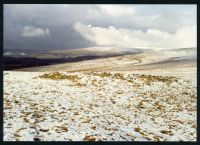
[{"x": 94, "y": 106}]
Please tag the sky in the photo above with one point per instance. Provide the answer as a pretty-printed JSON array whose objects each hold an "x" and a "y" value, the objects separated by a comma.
[{"x": 63, "y": 26}]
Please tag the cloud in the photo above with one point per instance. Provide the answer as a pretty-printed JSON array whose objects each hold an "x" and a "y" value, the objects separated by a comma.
[
  {"x": 7, "y": 54},
  {"x": 117, "y": 10},
  {"x": 31, "y": 31},
  {"x": 57, "y": 20},
  {"x": 22, "y": 54},
  {"x": 152, "y": 38}
]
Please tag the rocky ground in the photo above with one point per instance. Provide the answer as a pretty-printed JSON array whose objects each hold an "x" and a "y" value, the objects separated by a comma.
[{"x": 98, "y": 106}]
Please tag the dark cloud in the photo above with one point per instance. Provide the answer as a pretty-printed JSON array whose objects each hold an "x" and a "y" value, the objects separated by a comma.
[{"x": 58, "y": 20}]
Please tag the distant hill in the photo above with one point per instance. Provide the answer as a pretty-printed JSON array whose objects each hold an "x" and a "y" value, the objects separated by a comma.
[{"x": 20, "y": 58}]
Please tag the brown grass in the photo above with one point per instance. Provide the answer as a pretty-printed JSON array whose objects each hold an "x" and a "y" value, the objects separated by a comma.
[
  {"x": 103, "y": 74},
  {"x": 59, "y": 76},
  {"x": 168, "y": 132},
  {"x": 80, "y": 84},
  {"x": 89, "y": 138},
  {"x": 119, "y": 76},
  {"x": 150, "y": 78}
]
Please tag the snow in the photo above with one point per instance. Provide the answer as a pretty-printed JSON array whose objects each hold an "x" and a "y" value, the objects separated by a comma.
[{"x": 107, "y": 108}]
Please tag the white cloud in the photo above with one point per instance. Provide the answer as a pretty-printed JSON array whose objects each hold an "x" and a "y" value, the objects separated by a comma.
[
  {"x": 22, "y": 54},
  {"x": 31, "y": 31},
  {"x": 187, "y": 36},
  {"x": 7, "y": 54},
  {"x": 152, "y": 38},
  {"x": 107, "y": 11},
  {"x": 117, "y": 10},
  {"x": 65, "y": 5}
]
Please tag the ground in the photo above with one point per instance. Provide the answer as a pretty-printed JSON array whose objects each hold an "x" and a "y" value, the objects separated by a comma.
[{"x": 98, "y": 106}]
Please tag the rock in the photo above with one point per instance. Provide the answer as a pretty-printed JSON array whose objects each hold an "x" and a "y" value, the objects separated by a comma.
[
  {"x": 89, "y": 138},
  {"x": 36, "y": 139},
  {"x": 168, "y": 132},
  {"x": 44, "y": 130},
  {"x": 65, "y": 129}
]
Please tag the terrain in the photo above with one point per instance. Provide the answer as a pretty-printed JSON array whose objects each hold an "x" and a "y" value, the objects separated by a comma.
[
  {"x": 144, "y": 96},
  {"x": 170, "y": 62},
  {"x": 20, "y": 58}
]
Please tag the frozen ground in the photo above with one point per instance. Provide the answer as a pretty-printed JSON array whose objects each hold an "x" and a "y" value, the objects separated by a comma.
[{"x": 94, "y": 106}]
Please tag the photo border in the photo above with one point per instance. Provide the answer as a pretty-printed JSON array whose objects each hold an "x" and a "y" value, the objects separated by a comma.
[{"x": 99, "y": 2}]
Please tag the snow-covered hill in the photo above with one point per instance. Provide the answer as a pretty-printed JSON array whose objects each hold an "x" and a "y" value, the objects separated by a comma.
[{"x": 172, "y": 62}]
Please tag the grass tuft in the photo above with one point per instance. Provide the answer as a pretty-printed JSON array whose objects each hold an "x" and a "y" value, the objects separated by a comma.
[
  {"x": 59, "y": 76},
  {"x": 150, "y": 78},
  {"x": 103, "y": 74}
]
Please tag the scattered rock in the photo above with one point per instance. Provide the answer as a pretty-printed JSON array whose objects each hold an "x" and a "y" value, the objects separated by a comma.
[
  {"x": 168, "y": 132},
  {"x": 44, "y": 130},
  {"x": 89, "y": 138},
  {"x": 36, "y": 139}
]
